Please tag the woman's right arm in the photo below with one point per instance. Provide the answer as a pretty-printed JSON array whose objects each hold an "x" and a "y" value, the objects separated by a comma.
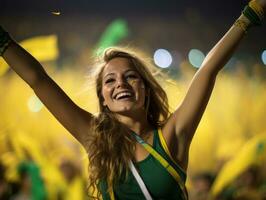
[{"x": 72, "y": 117}]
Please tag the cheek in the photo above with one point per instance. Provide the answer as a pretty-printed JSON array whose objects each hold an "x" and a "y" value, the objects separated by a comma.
[
  {"x": 137, "y": 84},
  {"x": 140, "y": 88},
  {"x": 106, "y": 92}
]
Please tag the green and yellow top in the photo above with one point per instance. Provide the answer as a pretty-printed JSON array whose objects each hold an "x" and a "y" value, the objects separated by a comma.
[{"x": 157, "y": 179}]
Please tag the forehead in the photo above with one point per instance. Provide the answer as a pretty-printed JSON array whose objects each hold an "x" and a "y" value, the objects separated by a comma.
[{"x": 117, "y": 65}]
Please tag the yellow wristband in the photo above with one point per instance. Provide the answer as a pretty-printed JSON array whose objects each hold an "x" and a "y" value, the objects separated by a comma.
[{"x": 241, "y": 24}]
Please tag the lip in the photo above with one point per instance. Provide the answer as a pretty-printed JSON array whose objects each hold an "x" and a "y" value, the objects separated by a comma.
[{"x": 114, "y": 97}]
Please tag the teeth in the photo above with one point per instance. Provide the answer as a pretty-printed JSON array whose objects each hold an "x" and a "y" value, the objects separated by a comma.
[{"x": 123, "y": 94}]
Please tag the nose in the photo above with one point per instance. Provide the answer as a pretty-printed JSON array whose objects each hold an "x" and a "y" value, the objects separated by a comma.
[{"x": 121, "y": 82}]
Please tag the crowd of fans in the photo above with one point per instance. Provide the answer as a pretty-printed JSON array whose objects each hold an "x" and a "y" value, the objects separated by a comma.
[
  {"x": 25, "y": 176},
  {"x": 46, "y": 163}
]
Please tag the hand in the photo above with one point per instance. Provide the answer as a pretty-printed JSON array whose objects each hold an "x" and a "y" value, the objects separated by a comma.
[{"x": 262, "y": 3}]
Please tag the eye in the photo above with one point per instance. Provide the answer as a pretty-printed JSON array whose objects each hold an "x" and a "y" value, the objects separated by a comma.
[
  {"x": 109, "y": 80},
  {"x": 132, "y": 76}
]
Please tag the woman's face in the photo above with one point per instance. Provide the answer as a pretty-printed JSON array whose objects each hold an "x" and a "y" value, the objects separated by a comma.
[{"x": 123, "y": 89}]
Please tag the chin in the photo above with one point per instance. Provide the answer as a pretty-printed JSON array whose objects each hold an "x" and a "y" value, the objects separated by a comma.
[
  {"x": 125, "y": 110},
  {"x": 128, "y": 110}
]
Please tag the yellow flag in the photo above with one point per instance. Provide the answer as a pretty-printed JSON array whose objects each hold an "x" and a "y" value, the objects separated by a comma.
[
  {"x": 252, "y": 152},
  {"x": 3, "y": 66},
  {"x": 43, "y": 48}
]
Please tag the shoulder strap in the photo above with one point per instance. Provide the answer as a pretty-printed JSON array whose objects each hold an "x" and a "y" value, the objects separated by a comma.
[
  {"x": 164, "y": 163},
  {"x": 165, "y": 147},
  {"x": 140, "y": 181}
]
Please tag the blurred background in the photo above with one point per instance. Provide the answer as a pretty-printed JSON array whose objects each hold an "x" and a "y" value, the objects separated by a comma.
[{"x": 39, "y": 159}]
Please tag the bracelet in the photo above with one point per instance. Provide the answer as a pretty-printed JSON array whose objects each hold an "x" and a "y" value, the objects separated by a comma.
[
  {"x": 5, "y": 40},
  {"x": 257, "y": 8},
  {"x": 242, "y": 24},
  {"x": 252, "y": 16}
]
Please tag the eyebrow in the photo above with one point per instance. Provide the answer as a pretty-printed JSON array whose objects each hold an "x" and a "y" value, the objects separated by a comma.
[{"x": 112, "y": 73}]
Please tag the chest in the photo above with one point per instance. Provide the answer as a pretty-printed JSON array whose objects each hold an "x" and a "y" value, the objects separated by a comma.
[
  {"x": 140, "y": 152},
  {"x": 157, "y": 180}
]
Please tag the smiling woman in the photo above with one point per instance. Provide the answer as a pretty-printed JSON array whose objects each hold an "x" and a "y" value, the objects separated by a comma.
[
  {"x": 136, "y": 148},
  {"x": 124, "y": 88}
]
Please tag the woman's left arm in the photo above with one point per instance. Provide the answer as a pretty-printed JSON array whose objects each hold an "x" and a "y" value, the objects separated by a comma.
[{"x": 188, "y": 114}]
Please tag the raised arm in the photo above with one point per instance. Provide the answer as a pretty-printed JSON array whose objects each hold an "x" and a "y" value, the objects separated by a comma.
[
  {"x": 185, "y": 119},
  {"x": 191, "y": 109},
  {"x": 72, "y": 117}
]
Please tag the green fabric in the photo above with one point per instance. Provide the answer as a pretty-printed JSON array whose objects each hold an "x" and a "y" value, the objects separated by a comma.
[
  {"x": 158, "y": 181},
  {"x": 38, "y": 191}
]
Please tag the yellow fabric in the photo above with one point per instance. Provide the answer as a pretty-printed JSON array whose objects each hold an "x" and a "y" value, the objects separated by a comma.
[
  {"x": 112, "y": 194},
  {"x": 43, "y": 48},
  {"x": 165, "y": 147},
  {"x": 75, "y": 190},
  {"x": 252, "y": 153},
  {"x": 241, "y": 24}
]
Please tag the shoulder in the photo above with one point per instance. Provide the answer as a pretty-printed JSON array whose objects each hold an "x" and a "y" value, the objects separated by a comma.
[{"x": 175, "y": 141}]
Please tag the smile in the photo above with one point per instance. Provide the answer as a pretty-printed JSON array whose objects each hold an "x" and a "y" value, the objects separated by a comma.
[{"x": 123, "y": 95}]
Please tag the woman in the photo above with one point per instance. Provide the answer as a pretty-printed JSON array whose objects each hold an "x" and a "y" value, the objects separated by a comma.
[{"x": 134, "y": 115}]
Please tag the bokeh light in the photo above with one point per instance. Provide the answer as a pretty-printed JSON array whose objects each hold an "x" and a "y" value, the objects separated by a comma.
[
  {"x": 162, "y": 58},
  {"x": 263, "y": 57},
  {"x": 34, "y": 104},
  {"x": 196, "y": 57}
]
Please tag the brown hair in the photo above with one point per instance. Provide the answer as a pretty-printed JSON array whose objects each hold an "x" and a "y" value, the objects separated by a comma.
[{"x": 110, "y": 146}]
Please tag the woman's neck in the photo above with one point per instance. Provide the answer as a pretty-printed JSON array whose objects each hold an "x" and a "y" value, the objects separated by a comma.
[{"x": 139, "y": 125}]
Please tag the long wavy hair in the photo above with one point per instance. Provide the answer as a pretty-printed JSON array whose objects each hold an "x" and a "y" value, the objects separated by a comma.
[{"x": 111, "y": 146}]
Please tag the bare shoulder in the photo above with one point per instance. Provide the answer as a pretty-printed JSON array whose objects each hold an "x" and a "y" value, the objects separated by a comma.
[
  {"x": 168, "y": 129},
  {"x": 175, "y": 141},
  {"x": 170, "y": 136}
]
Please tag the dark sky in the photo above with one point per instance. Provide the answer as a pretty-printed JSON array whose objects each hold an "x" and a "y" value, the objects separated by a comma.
[
  {"x": 217, "y": 15},
  {"x": 105, "y": 7}
]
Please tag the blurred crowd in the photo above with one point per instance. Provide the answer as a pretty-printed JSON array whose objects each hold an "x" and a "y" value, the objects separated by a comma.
[
  {"x": 30, "y": 185},
  {"x": 249, "y": 185},
  {"x": 39, "y": 160}
]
